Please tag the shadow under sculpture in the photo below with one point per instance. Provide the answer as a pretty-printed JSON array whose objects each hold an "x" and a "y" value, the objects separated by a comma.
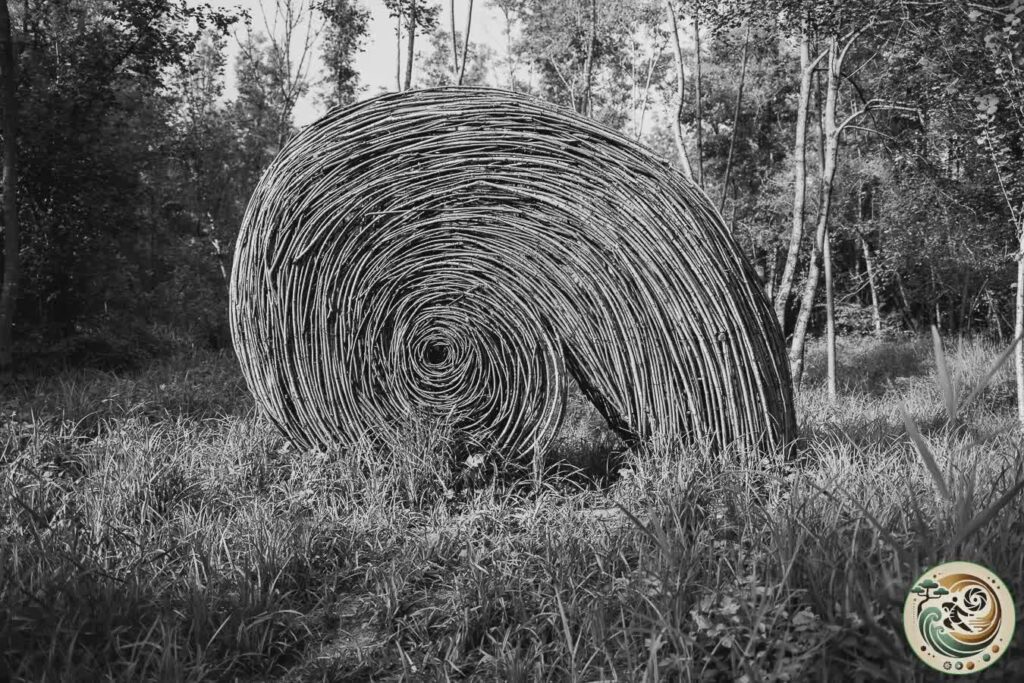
[{"x": 464, "y": 255}]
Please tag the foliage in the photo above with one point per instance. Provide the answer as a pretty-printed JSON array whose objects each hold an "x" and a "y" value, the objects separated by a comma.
[
  {"x": 137, "y": 166},
  {"x": 347, "y": 24},
  {"x": 436, "y": 70},
  {"x": 93, "y": 160},
  {"x": 565, "y": 39},
  {"x": 419, "y": 14}
]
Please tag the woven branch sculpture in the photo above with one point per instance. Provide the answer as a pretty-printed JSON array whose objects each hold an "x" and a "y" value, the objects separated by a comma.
[{"x": 465, "y": 255}]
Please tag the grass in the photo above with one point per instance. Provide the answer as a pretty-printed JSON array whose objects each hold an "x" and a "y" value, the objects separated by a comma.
[{"x": 152, "y": 527}]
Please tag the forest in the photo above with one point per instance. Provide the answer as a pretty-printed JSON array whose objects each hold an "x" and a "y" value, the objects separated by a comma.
[{"x": 866, "y": 155}]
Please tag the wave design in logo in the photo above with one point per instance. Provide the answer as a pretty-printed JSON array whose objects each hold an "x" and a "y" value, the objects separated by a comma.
[{"x": 959, "y": 617}]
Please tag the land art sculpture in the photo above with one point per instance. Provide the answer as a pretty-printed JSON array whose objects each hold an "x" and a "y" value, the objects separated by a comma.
[{"x": 468, "y": 255}]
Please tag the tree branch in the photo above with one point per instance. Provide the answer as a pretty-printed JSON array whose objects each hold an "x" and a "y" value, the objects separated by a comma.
[{"x": 873, "y": 105}]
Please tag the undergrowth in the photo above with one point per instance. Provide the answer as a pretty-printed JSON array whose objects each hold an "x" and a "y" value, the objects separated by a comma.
[{"x": 152, "y": 526}]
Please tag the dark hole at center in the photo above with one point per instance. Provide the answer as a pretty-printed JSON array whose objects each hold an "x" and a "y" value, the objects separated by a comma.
[{"x": 437, "y": 354}]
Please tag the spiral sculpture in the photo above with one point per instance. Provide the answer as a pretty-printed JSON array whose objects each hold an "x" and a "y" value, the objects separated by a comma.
[{"x": 465, "y": 255}]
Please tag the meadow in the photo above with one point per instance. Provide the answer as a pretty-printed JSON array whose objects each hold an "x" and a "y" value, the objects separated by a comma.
[{"x": 154, "y": 527}]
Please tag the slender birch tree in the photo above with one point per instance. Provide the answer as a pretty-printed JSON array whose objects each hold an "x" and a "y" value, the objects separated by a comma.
[{"x": 677, "y": 123}]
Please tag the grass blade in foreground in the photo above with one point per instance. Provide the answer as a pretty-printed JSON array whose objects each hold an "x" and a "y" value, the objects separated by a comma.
[
  {"x": 926, "y": 454},
  {"x": 945, "y": 382}
]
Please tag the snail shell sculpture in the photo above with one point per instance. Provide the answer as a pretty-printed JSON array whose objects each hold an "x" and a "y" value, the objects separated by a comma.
[{"x": 465, "y": 255}]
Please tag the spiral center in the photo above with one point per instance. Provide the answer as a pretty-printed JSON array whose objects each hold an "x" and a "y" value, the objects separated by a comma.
[{"x": 436, "y": 354}]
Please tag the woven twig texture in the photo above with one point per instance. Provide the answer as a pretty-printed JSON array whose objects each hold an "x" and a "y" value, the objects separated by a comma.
[{"x": 466, "y": 255}]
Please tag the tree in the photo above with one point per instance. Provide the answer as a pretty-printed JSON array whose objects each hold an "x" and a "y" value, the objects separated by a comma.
[
  {"x": 510, "y": 10},
  {"x": 12, "y": 261},
  {"x": 92, "y": 168},
  {"x": 836, "y": 55},
  {"x": 346, "y": 27},
  {"x": 278, "y": 62},
  {"x": 265, "y": 103},
  {"x": 208, "y": 174},
  {"x": 698, "y": 98},
  {"x": 1001, "y": 120},
  {"x": 579, "y": 50},
  {"x": 807, "y": 66},
  {"x": 437, "y": 69},
  {"x": 459, "y": 65},
  {"x": 843, "y": 29},
  {"x": 735, "y": 120},
  {"x": 925, "y": 589},
  {"x": 677, "y": 124},
  {"x": 414, "y": 16}
]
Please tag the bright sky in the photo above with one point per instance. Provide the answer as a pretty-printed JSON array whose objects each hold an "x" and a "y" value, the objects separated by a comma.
[{"x": 376, "y": 65}]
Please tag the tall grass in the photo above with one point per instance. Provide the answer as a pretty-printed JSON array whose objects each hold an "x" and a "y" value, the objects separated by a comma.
[{"x": 153, "y": 527}]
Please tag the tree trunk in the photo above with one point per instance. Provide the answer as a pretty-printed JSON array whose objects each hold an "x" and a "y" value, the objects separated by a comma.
[
  {"x": 655, "y": 58},
  {"x": 876, "y": 309},
  {"x": 677, "y": 127},
  {"x": 455, "y": 46},
  {"x": 411, "y": 52},
  {"x": 994, "y": 320},
  {"x": 908, "y": 314},
  {"x": 735, "y": 121},
  {"x": 465, "y": 42},
  {"x": 1018, "y": 324},
  {"x": 698, "y": 103},
  {"x": 830, "y": 316},
  {"x": 398, "y": 56},
  {"x": 12, "y": 262},
  {"x": 826, "y": 257},
  {"x": 773, "y": 264},
  {"x": 588, "y": 100},
  {"x": 796, "y": 352},
  {"x": 800, "y": 181}
]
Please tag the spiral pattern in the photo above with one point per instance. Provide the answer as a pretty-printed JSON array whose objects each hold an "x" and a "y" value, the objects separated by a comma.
[{"x": 466, "y": 255}]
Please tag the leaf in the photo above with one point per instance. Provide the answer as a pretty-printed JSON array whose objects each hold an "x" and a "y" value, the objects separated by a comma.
[
  {"x": 926, "y": 454},
  {"x": 945, "y": 383},
  {"x": 804, "y": 619}
]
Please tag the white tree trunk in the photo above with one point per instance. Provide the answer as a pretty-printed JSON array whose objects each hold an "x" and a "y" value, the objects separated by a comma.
[
  {"x": 411, "y": 52},
  {"x": 830, "y": 315},
  {"x": 1018, "y": 327},
  {"x": 677, "y": 127},
  {"x": 455, "y": 44},
  {"x": 800, "y": 181},
  {"x": 831, "y": 130},
  {"x": 876, "y": 310},
  {"x": 697, "y": 99}
]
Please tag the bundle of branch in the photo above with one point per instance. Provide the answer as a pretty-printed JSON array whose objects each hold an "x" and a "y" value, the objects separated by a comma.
[{"x": 466, "y": 255}]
